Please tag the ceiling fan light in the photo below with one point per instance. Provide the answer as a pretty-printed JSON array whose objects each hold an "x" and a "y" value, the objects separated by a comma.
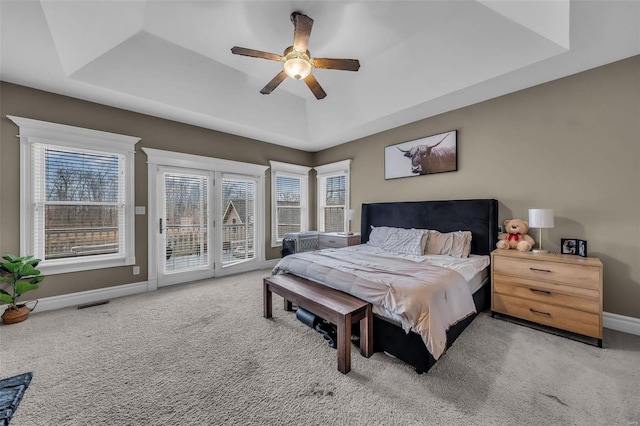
[{"x": 297, "y": 68}]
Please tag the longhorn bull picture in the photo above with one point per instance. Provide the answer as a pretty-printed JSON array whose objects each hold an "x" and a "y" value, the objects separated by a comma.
[{"x": 428, "y": 158}]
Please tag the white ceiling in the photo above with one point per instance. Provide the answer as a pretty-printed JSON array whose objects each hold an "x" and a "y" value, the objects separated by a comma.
[{"x": 172, "y": 59}]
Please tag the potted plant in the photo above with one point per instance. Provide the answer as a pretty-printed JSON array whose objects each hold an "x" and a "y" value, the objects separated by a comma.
[{"x": 22, "y": 276}]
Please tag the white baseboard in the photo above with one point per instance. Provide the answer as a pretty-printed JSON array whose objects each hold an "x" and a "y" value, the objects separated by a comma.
[
  {"x": 89, "y": 296},
  {"x": 612, "y": 321},
  {"x": 92, "y": 296},
  {"x": 621, "y": 323}
]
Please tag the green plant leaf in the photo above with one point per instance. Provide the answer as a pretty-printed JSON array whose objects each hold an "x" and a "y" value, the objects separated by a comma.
[
  {"x": 12, "y": 266},
  {"x": 6, "y": 298},
  {"x": 6, "y": 279},
  {"x": 24, "y": 286},
  {"x": 37, "y": 279},
  {"x": 28, "y": 270},
  {"x": 9, "y": 257}
]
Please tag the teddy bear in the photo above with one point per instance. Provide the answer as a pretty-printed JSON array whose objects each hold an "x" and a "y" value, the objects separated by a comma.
[{"x": 515, "y": 236}]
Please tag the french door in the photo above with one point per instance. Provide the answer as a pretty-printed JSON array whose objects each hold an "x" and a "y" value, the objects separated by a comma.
[{"x": 185, "y": 225}]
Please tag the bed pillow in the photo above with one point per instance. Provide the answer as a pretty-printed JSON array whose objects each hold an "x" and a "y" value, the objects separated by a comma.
[
  {"x": 456, "y": 244},
  {"x": 407, "y": 241},
  {"x": 378, "y": 235}
]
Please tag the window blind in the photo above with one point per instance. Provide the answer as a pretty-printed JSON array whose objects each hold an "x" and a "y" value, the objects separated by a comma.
[
  {"x": 288, "y": 205},
  {"x": 334, "y": 203},
  {"x": 186, "y": 228},
  {"x": 79, "y": 200}
]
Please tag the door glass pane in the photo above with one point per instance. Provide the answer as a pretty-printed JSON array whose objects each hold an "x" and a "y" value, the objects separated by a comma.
[
  {"x": 238, "y": 230},
  {"x": 186, "y": 213}
]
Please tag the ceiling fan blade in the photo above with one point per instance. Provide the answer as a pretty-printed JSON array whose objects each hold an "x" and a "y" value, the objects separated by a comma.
[
  {"x": 302, "y": 31},
  {"x": 315, "y": 86},
  {"x": 255, "y": 53},
  {"x": 275, "y": 82},
  {"x": 336, "y": 64}
]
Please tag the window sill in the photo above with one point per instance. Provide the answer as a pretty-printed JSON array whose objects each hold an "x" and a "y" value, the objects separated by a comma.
[{"x": 81, "y": 264}]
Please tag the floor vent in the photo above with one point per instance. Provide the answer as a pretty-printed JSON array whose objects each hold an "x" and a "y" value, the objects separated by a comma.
[{"x": 90, "y": 305}]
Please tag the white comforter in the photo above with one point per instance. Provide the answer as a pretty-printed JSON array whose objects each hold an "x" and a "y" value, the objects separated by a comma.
[{"x": 426, "y": 294}]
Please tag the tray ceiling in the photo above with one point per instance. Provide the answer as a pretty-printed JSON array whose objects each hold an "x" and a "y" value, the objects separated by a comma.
[{"x": 172, "y": 59}]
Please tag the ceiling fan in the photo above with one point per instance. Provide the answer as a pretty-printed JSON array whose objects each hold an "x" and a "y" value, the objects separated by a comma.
[{"x": 297, "y": 59}]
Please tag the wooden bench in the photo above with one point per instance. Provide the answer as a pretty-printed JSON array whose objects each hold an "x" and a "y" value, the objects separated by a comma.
[{"x": 335, "y": 306}]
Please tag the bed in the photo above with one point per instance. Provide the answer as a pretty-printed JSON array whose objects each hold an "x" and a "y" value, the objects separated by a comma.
[{"x": 479, "y": 216}]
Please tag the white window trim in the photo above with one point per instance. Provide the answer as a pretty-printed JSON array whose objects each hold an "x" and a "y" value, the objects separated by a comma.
[
  {"x": 326, "y": 171},
  {"x": 292, "y": 170},
  {"x": 157, "y": 157},
  {"x": 36, "y": 131}
]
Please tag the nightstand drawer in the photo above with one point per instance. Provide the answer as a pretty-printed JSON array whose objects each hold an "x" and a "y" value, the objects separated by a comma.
[
  {"x": 334, "y": 240},
  {"x": 554, "y": 316},
  {"x": 555, "y": 294},
  {"x": 535, "y": 269}
]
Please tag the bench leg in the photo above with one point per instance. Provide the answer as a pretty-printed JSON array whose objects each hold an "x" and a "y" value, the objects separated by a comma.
[
  {"x": 344, "y": 343},
  {"x": 267, "y": 300},
  {"x": 288, "y": 306},
  {"x": 366, "y": 333}
]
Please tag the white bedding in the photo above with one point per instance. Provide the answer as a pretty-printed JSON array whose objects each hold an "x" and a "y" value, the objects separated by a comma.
[{"x": 426, "y": 294}]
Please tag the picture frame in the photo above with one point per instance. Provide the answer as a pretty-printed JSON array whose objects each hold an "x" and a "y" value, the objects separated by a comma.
[
  {"x": 432, "y": 154},
  {"x": 582, "y": 248},
  {"x": 568, "y": 246}
]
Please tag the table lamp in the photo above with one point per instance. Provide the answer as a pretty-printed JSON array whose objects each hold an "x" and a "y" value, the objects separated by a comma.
[
  {"x": 349, "y": 217},
  {"x": 540, "y": 218}
]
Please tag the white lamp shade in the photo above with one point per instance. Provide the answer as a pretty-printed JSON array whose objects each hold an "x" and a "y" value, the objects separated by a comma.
[
  {"x": 541, "y": 218},
  {"x": 349, "y": 214}
]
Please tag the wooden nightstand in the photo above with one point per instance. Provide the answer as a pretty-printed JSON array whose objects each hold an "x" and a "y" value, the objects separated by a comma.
[
  {"x": 337, "y": 240},
  {"x": 560, "y": 291}
]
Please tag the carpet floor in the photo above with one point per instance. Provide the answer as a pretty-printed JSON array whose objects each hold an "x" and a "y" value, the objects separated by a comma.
[{"x": 202, "y": 354}]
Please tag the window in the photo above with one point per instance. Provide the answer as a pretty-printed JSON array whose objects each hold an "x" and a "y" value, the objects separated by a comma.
[
  {"x": 289, "y": 195},
  {"x": 333, "y": 196},
  {"x": 77, "y": 199}
]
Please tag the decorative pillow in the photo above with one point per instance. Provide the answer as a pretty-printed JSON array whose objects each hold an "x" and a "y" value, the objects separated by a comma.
[
  {"x": 439, "y": 242},
  {"x": 456, "y": 244},
  {"x": 461, "y": 244},
  {"x": 408, "y": 241}
]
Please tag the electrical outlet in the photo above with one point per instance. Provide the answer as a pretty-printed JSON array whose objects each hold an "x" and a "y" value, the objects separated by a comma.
[
  {"x": 136, "y": 270},
  {"x": 500, "y": 229}
]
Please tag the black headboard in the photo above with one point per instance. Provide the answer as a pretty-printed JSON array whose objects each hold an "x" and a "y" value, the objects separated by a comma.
[{"x": 479, "y": 216}]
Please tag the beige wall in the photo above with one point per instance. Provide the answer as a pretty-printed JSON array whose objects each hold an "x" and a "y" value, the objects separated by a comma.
[
  {"x": 155, "y": 133},
  {"x": 572, "y": 145}
]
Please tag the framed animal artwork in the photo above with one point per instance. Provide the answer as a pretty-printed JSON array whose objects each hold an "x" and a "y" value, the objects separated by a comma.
[{"x": 428, "y": 155}]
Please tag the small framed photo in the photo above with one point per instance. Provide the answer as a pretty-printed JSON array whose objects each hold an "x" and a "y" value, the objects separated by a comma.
[
  {"x": 569, "y": 246},
  {"x": 582, "y": 248}
]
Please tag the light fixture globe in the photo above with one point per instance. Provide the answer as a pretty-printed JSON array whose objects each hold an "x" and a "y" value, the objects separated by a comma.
[{"x": 296, "y": 64}]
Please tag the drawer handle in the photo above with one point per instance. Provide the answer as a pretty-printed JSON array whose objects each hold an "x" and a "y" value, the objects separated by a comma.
[
  {"x": 540, "y": 270},
  {"x": 535, "y": 290},
  {"x": 540, "y": 312},
  {"x": 332, "y": 241}
]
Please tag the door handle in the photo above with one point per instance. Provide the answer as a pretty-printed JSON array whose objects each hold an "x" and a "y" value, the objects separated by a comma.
[
  {"x": 540, "y": 312},
  {"x": 535, "y": 290},
  {"x": 540, "y": 270},
  {"x": 161, "y": 225}
]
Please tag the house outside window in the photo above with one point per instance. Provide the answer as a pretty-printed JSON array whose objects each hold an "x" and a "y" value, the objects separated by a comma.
[
  {"x": 77, "y": 209},
  {"x": 333, "y": 196},
  {"x": 238, "y": 227},
  {"x": 289, "y": 195}
]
